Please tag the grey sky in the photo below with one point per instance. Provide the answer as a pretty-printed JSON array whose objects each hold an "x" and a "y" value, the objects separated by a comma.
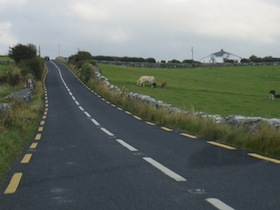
[{"x": 162, "y": 29}]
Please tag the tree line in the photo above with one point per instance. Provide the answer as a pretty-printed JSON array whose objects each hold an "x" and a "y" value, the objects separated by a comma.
[{"x": 255, "y": 59}]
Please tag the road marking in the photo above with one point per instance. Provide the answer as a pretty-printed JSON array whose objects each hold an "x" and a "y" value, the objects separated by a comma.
[
  {"x": 40, "y": 129},
  {"x": 33, "y": 145},
  {"x": 45, "y": 113},
  {"x": 188, "y": 135},
  {"x": 219, "y": 204},
  {"x": 13, "y": 185},
  {"x": 81, "y": 108},
  {"x": 87, "y": 114},
  {"x": 77, "y": 103},
  {"x": 46, "y": 105},
  {"x": 221, "y": 145},
  {"x": 71, "y": 94},
  {"x": 107, "y": 132},
  {"x": 264, "y": 158},
  {"x": 137, "y": 118},
  {"x": 166, "y": 129},
  {"x": 46, "y": 101},
  {"x": 113, "y": 105},
  {"x": 42, "y": 122},
  {"x": 165, "y": 170},
  {"x": 149, "y": 123},
  {"x": 44, "y": 117},
  {"x": 127, "y": 112},
  {"x": 73, "y": 98},
  {"x": 95, "y": 122},
  {"x": 120, "y": 109},
  {"x": 38, "y": 136},
  {"x": 129, "y": 147},
  {"x": 26, "y": 158}
]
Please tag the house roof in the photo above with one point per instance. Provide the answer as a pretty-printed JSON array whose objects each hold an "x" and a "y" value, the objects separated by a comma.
[{"x": 221, "y": 53}]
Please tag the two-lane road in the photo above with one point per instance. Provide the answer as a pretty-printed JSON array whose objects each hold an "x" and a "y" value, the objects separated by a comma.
[{"x": 90, "y": 154}]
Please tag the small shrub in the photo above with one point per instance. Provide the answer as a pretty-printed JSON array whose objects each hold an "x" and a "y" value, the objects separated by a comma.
[
  {"x": 86, "y": 72},
  {"x": 34, "y": 66}
]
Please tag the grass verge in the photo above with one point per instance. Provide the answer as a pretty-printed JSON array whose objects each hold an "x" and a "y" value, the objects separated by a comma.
[{"x": 17, "y": 127}]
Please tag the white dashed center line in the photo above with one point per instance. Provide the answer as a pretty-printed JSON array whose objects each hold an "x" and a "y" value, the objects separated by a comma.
[
  {"x": 107, "y": 132},
  {"x": 129, "y": 147},
  {"x": 165, "y": 170},
  {"x": 219, "y": 204}
]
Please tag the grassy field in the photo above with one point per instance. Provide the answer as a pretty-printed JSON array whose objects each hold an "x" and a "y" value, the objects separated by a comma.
[
  {"x": 4, "y": 67},
  {"x": 219, "y": 90},
  {"x": 17, "y": 124}
]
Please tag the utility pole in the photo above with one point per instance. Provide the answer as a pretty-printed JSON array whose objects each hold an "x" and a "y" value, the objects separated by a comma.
[
  {"x": 59, "y": 50},
  {"x": 39, "y": 51},
  {"x": 192, "y": 52}
]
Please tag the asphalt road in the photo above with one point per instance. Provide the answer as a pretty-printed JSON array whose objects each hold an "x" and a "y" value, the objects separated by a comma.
[{"x": 90, "y": 154}]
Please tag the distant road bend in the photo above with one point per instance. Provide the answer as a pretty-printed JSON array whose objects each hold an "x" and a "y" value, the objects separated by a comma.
[{"x": 91, "y": 154}]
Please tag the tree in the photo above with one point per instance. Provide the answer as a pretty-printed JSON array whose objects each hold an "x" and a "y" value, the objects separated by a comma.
[
  {"x": 80, "y": 58},
  {"x": 23, "y": 52},
  {"x": 174, "y": 61},
  {"x": 151, "y": 60}
]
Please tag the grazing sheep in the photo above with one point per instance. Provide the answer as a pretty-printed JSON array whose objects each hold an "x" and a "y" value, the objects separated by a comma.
[
  {"x": 272, "y": 94},
  {"x": 146, "y": 79}
]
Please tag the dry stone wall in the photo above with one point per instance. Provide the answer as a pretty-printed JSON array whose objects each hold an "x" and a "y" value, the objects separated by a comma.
[{"x": 251, "y": 123}]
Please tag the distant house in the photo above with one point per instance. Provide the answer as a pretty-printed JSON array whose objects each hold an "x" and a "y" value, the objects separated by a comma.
[{"x": 221, "y": 57}]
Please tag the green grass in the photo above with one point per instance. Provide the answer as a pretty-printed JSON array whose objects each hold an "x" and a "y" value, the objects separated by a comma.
[
  {"x": 4, "y": 67},
  {"x": 5, "y": 58},
  {"x": 220, "y": 90},
  {"x": 17, "y": 125}
]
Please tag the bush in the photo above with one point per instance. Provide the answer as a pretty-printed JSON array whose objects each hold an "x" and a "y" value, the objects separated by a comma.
[
  {"x": 22, "y": 52},
  {"x": 34, "y": 66},
  {"x": 86, "y": 72},
  {"x": 10, "y": 77},
  {"x": 80, "y": 58}
]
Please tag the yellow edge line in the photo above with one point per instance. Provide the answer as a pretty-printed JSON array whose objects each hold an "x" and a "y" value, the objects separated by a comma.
[
  {"x": 13, "y": 185},
  {"x": 221, "y": 145},
  {"x": 40, "y": 129},
  {"x": 120, "y": 109},
  {"x": 42, "y": 122},
  {"x": 38, "y": 136},
  {"x": 136, "y": 117},
  {"x": 264, "y": 158},
  {"x": 188, "y": 135},
  {"x": 149, "y": 123},
  {"x": 127, "y": 112},
  {"x": 33, "y": 145},
  {"x": 26, "y": 158},
  {"x": 166, "y": 129}
]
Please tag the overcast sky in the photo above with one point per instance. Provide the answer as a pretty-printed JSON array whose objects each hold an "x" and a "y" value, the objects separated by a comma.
[{"x": 162, "y": 29}]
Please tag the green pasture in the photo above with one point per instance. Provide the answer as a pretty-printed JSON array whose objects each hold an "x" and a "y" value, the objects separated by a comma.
[
  {"x": 215, "y": 90},
  {"x": 4, "y": 68}
]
